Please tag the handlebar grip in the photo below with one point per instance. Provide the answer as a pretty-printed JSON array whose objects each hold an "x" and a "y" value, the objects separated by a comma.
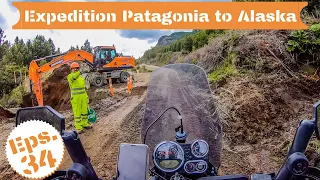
[
  {"x": 296, "y": 164},
  {"x": 302, "y": 137},
  {"x": 298, "y": 147},
  {"x": 284, "y": 173},
  {"x": 74, "y": 147},
  {"x": 77, "y": 152}
]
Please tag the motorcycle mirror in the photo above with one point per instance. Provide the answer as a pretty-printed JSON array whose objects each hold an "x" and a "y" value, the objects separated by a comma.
[
  {"x": 316, "y": 114},
  {"x": 41, "y": 113}
]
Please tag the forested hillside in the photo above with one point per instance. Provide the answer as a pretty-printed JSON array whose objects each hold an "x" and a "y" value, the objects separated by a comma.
[{"x": 230, "y": 48}]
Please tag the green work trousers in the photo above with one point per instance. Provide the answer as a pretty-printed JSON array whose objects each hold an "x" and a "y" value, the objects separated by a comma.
[{"x": 79, "y": 102}]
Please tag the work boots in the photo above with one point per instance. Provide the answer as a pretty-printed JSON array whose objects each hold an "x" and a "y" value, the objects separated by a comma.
[
  {"x": 88, "y": 127},
  {"x": 80, "y": 131}
]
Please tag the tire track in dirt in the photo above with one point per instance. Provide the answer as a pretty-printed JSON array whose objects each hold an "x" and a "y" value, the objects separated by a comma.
[{"x": 112, "y": 128}]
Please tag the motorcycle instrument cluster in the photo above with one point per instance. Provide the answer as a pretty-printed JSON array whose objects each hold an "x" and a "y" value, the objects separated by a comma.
[
  {"x": 168, "y": 156},
  {"x": 199, "y": 148}
]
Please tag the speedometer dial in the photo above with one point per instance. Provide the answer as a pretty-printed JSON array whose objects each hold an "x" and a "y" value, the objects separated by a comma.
[
  {"x": 168, "y": 156},
  {"x": 200, "y": 148}
]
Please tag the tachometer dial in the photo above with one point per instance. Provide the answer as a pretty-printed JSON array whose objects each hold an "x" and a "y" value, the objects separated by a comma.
[
  {"x": 200, "y": 148},
  {"x": 168, "y": 156}
]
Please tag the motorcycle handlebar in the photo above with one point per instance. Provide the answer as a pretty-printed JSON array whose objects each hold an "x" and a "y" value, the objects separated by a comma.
[
  {"x": 78, "y": 155},
  {"x": 296, "y": 162},
  {"x": 295, "y": 155}
]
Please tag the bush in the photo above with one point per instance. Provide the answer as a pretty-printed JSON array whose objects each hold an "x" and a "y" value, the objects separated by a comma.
[
  {"x": 305, "y": 44},
  {"x": 14, "y": 99}
]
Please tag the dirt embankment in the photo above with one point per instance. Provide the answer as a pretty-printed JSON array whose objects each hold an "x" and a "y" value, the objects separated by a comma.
[
  {"x": 261, "y": 96},
  {"x": 260, "y": 116}
]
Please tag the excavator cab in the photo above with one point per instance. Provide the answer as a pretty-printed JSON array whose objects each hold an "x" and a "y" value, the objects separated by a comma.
[{"x": 104, "y": 55}]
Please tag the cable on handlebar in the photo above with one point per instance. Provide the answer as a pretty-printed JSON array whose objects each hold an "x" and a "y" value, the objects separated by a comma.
[{"x": 145, "y": 135}]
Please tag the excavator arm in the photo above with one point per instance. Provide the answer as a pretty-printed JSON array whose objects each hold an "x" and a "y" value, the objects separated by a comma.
[{"x": 56, "y": 61}]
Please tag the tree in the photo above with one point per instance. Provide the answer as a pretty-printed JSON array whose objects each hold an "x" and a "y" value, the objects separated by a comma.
[
  {"x": 17, "y": 55},
  {"x": 188, "y": 43},
  {"x": 86, "y": 46},
  {"x": 58, "y": 51},
  {"x": 41, "y": 47},
  {"x": 16, "y": 40},
  {"x": 52, "y": 46},
  {"x": 201, "y": 39},
  {"x": 2, "y": 36},
  {"x": 2, "y": 46},
  {"x": 77, "y": 47},
  {"x": 72, "y": 48}
]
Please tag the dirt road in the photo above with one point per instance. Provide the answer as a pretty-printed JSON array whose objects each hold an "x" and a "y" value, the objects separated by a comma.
[{"x": 117, "y": 123}]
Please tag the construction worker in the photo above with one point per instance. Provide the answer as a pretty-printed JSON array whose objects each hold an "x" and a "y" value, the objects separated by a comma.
[{"x": 79, "y": 98}]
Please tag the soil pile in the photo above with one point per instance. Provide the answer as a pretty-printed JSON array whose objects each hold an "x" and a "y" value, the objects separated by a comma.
[
  {"x": 56, "y": 92},
  {"x": 261, "y": 108},
  {"x": 6, "y": 113}
]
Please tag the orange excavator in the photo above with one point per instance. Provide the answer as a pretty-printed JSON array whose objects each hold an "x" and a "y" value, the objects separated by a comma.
[{"x": 97, "y": 68}]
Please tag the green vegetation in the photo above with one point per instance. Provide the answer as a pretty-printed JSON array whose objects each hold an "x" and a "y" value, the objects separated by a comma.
[
  {"x": 227, "y": 69},
  {"x": 167, "y": 40},
  {"x": 306, "y": 44},
  {"x": 233, "y": 52},
  {"x": 161, "y": 55},
  {"x": 14, "y": 98},
  {"x": 303, "y": 45}
]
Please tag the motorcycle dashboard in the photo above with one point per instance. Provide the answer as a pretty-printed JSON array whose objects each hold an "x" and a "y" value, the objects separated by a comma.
[{"x": 171, "y": 157}]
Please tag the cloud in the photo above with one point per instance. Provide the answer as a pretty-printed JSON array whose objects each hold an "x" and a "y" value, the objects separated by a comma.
[
  {"x": 3, "y": 24},
  {"x": 12, "y": 8},
  {"x": 150, "y": 35}
]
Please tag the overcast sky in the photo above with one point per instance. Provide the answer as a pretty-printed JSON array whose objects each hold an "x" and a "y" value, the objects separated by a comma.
[{"x": 130, "y": 42}]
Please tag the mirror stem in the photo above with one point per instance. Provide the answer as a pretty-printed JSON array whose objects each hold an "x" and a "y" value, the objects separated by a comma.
[{"x": 181, "y": 124}]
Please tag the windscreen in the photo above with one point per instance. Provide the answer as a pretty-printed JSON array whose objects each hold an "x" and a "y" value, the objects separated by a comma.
[{"x": 186, "y": 88}]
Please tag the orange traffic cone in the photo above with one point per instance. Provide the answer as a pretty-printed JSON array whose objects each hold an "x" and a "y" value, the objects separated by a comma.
[
  {"x": 111, "y": 88},
  {"x": 130, "y": 84}
]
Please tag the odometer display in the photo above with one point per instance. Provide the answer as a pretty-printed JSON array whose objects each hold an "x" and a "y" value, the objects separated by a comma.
[{"x": 169, "y": 164}]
